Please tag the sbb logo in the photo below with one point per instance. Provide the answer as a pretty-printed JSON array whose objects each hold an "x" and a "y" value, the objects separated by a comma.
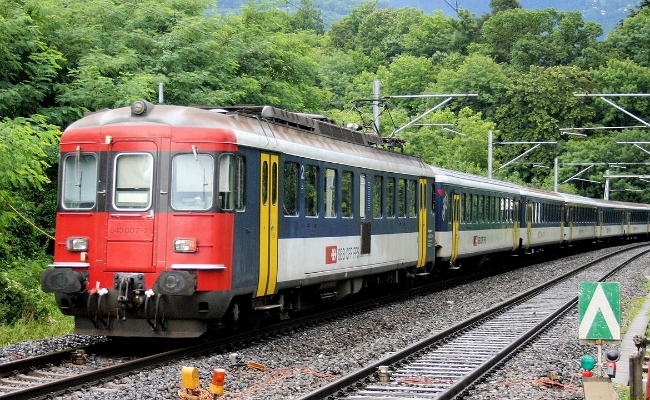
[{"x": 330, "y": 254}]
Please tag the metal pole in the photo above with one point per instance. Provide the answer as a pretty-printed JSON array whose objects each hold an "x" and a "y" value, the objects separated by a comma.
[
  {"x": 557, "y": 171},
  {"x": 490, "y": 154},
  {"x": 376, "y": 90},
  {"x": 161, "y": 97},
  {"x": 606, "y": 197}
]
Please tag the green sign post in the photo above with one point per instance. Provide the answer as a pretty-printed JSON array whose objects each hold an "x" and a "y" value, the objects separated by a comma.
[{"x": 599, "y": 305}]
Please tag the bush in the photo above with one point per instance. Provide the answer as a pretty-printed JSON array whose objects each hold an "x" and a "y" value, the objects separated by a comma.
[
  {"x": 20, "y": 293},
  {"x": 18, "y": 301}
]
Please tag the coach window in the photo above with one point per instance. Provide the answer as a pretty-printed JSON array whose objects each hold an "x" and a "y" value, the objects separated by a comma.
[
  {"x": 377, "y": 200},
  {"x": 311, "y": 190},
  {"x": 226, "y": 181},
  {"x": 347, "y": 182},
  {"x": 390, "y": 197},
  {"x": 79, "y": 181},
  {"x": 464, "y": 201},
  {"x": 192, "y": 181},
  {"x": 329, "y": 192},
  {"x": 134, "y": 179},
  {"x": 412, "y": 193},
  {"x": 290, "y": 204},
  {"x": 401, "y": 197}
]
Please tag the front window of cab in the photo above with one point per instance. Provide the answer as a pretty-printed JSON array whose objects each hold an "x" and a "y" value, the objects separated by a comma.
[
  {"x": 79, "y": 181},
  {"x": 192, "y": 181},
  {"x": 133, "y": 181}
]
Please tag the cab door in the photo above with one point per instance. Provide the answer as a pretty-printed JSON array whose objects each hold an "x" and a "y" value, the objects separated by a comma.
[
  {"x": 268, "y": 257},
  {"x": 131, "y": 225}
]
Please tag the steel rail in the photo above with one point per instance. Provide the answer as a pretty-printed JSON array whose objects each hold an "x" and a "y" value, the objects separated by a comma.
[{"x": 348, "y": 382}]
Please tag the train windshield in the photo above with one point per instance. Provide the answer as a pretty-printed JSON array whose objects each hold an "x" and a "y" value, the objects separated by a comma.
[
  {"x": 192, "y": 181},
  {"x": 133, "y": 181},
  {"x": 79, "y": 181}
]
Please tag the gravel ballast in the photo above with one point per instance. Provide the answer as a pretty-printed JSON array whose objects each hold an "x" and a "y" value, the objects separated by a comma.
[{"x": 293, "y": 366}]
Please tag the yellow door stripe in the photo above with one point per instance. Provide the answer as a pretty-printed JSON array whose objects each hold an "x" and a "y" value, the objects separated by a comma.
[
  {"x": 422, "y": 221},
  {"x": 515, "y": 218},
  {"x": 268, "y": 268},
  {"x": 273, "y": 226},
  {"x": 264, "y": 225}
]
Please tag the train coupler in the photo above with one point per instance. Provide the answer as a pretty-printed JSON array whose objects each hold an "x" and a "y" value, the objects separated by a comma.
[{"x": 159, "y": 315}]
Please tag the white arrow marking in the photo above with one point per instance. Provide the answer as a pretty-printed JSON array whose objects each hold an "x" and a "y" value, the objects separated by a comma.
[{"x": 599, "y": 302}]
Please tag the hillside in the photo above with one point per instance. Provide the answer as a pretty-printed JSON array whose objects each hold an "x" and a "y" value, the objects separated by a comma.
[{"x": 607, "y": 13}]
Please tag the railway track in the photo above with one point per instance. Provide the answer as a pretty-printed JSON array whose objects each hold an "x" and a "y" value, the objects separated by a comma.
[
  {"x": 57, "y": 373},
  {"x": 446, "y": 364}
]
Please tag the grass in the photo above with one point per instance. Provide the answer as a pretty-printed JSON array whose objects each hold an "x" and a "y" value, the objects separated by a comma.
[{"x": 29, "y": 329}]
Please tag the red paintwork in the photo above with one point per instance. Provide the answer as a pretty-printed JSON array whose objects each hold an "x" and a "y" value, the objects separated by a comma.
[{"x": 140, "y": 241}]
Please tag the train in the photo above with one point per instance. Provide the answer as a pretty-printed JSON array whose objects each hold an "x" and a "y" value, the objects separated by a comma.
[{"x": 177, "y": 221}]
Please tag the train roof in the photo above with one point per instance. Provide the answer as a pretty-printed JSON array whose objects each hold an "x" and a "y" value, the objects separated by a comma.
[
  {"x": 473, "y": 181},
  {"x": 578, "y": 200},
  {"x": 623, "y": 204},
  {"x": 270, "y": 129},
  {"x": 540, "y": 194}
]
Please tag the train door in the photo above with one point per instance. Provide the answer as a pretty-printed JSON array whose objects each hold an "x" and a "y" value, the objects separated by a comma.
[
  {"x": 268, "y": 260},
  {"x": 601, "y": 222},
  {"x": 562, "y": 224},
  {"x": 455, "y": 227},
  {"x": 131, "y": 221},
  {"x": 515, "y": 224},
  {"x": 422, "y": 224},
  {"x": 569, "y": 218},
  {"x": 529, "y": 224}
]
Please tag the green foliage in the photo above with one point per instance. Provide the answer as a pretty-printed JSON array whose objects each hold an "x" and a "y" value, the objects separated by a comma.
[
  {"x": 632, "y": 38},
  {"x": 543, "y": 37},
  {"x": 29, "y": 66},
  {"x": 622, "y": 76},
  {"x": 22, "y": 152},
  {"x": 534, "y": 108},
  {"x": 20, "y": 297}
]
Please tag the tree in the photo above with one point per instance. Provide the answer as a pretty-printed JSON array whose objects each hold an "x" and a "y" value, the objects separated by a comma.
[
  {"x": 542, "y": 37},
  {"x": 476, "y": 74},
  {"x": 502, "y": 5},
  {"x": 536, "y": 105},
  {"x": 343, "y": 34},
  {"x": 621, "y": 76},
  {"x": 632, "y": 38},
  {"x": 430, "y": 34},
  {"x": 29, "y": 66},
  {"x": 465, "y": 152},
  {"x": 23, "y": 166},
  {"x": 308, "y": 18},
  {"x": 406, "y": 75}
]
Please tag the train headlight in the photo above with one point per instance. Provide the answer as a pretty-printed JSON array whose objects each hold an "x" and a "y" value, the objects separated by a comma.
[
  {"x": 138, "y": 107},
  {"x": 185, "y": 245},
  {"x": 76, "y": 244}
]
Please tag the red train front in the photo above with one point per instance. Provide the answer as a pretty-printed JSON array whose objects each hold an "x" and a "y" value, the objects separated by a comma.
[{"x": 139, "y": 207}]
